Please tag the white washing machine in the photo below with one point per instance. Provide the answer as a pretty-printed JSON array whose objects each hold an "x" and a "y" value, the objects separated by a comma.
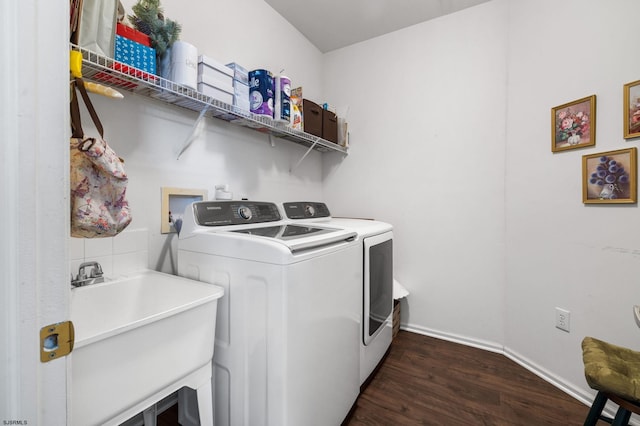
[
  {"x": 375, "y": 281},
  {"x": 286, "y": 348}
]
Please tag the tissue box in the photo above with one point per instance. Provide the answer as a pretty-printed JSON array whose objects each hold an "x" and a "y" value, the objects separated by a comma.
[
  {"x": 132, "y": 34},
  {"x": 214, "y": 72},
  {"x": 135, "y": 54},
  {"x": 215, "y": 79},
  {"x": 312, "y": 117},
  {"x": 214, "y": 92},
  {"x": 240, "y": 73},
  {"x": 210, "y": 86},
  {"x": 240, "y": 95},
  {"x": 242, "y": 104}
]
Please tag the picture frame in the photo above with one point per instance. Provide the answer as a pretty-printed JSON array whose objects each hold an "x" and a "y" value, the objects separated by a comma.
[
  {"x": 573, "y": 125},
  {"x": 631, "y": 110},
  {"x": 174, "y": 201},
  {"x": 610, "y": 177}
]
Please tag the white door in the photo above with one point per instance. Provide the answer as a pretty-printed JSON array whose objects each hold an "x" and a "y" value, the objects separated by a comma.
[{"x": 34, "y": 273}]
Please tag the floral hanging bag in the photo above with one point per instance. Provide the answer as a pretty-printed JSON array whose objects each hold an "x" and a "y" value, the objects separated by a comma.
[{"x": 99, "y": 207}]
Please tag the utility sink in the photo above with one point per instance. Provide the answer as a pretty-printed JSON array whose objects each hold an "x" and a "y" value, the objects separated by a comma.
[{"x": 138, "y": 339}]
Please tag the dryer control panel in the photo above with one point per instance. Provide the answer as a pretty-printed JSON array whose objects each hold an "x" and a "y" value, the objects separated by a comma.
[
  {"x": 221, "y": 213},
  {"x": 306, "y": 210}
]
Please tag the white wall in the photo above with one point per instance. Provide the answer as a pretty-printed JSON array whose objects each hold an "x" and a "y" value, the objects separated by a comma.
[
  {"x": 123, "y": 254},
  {"x": 427, "y": 125},
  {"x": 561, "y": 252},
  {"x": 149, "y": 135},
  {"x": 450, "y": 134},
  {"x": 449, "y": 124}
]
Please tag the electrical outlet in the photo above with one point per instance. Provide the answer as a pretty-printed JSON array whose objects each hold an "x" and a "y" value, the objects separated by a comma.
[{"x": 563, "y": 318}]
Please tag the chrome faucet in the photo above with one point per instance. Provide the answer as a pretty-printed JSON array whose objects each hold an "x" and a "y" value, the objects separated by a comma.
[{"x": 93, "y": 277}]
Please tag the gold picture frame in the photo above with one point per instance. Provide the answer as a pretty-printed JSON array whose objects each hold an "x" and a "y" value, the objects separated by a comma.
[
  {"x": 573, "y": 125},
  {"x": 610, "y": 177},
  {"x": 632, "y": 110}
]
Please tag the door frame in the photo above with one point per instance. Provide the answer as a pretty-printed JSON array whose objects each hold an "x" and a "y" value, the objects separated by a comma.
[{"x": 34, "y": 192}]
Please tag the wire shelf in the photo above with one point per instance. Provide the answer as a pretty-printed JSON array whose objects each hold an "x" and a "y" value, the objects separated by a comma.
[{"x": 107, "y": 71}]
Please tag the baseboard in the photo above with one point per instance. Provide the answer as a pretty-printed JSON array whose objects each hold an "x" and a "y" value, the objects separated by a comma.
[
  {"x": 579, "y": 394},
  {"x": 570, "y": 389},
  {"x": 480, "y": 344},
  {"x": 575, "y": 392}
]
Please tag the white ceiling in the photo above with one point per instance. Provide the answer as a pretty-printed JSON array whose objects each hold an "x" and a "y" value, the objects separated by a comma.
[{"x": 332, "y": 24}]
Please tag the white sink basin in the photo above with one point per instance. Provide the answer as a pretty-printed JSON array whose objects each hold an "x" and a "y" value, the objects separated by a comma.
[{"x": 138, "y": 339}]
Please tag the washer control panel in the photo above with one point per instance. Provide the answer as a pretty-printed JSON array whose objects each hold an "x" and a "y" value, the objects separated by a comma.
[
  {"x": 220, "y": 213},
  {"x": 306, "y": 210},
  {"x": 245, "y": 212}
]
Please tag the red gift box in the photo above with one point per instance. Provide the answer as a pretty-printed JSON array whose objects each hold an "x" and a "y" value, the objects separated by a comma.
[
  {"x": 135, "y": 72},
  {"x": 132, "y": 34}
]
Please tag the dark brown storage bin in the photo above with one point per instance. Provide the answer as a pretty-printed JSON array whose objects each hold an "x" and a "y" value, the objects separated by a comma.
[
  {"x": 329, "y": 126},
  {"x": 312, "y": 117},
  {"x": 395, "y": 319}
]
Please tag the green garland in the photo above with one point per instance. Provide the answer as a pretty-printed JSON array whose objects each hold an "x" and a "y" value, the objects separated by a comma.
[{"x": 148, "y": 17}]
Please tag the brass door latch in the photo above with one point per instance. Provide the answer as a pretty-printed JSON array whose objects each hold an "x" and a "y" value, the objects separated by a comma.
[{"x": 56, "y": 340}]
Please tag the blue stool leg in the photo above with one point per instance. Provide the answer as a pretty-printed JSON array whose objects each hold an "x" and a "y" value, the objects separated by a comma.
[
  {"x": 596, "y": 409},
  {"x": 622, "y": 417}
]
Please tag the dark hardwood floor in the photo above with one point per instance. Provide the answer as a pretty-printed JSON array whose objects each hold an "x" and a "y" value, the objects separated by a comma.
[{"x": 428, "y": 381}]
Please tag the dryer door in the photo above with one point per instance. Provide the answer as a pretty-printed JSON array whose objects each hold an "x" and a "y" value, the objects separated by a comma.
[{"x": 378, "y": 284}]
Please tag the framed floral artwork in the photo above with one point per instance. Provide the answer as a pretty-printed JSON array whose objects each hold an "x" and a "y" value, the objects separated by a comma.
[
  {"x": 632, "y": 110},
  {"x": 610, "y": 177},
  {"x": 573, "y": 125}
]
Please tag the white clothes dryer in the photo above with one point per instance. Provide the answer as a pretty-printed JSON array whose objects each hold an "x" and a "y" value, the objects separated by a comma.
[
  {"x": 286, "y": 348},
  {"x": 375, "y": 281}
]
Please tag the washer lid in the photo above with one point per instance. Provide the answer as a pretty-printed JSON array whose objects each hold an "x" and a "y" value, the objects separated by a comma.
[
  {"x": 313, "y": 212},
  {"x": 254, "y": 230},
  {"x": 285, "y": 232},
  {"x": 299, "y": 237}
]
